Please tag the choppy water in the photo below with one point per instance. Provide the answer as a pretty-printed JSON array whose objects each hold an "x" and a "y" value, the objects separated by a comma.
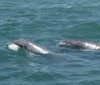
[{"x": 46, "y": 22}]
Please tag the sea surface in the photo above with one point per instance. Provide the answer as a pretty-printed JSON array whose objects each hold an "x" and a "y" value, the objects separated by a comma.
[{"x": 47, "y": 22}]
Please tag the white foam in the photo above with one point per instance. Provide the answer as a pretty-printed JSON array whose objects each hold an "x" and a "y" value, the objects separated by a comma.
[
  {"x": 13, "y": 46},
  {"x": 39, "y": 49},
  {"x": 91, "y": 46}
]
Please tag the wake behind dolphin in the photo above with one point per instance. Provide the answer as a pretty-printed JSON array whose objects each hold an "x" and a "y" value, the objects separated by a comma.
[
  {"x": 29, "y": 46},
  {"x": 80, "y": 44}
]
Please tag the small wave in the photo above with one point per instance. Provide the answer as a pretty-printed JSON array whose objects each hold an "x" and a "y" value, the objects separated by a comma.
[
  {"x": 92, "y": 5},
  {"x": 67, "y": 6}
]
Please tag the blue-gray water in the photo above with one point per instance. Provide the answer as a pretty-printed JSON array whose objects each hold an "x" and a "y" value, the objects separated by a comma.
[{"x": 46, "y": 22}]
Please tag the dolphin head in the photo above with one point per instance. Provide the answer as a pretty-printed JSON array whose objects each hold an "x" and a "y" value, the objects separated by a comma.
[
  {"x": 20, "y": 42},
  {"x": 16, "y": 44},
  {"x": 65, "y": 43},
  {"x": 72, "y": 43}
]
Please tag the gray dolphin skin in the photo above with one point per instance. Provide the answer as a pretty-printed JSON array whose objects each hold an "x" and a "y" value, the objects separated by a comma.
[
  {"x": 80, "y": 44},
  {"x": 31, "y": 47}
]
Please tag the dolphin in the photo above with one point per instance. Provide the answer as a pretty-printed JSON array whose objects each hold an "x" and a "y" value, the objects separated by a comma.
[
  {"x": 28, "y": 45},
  {"x": 80, "y": 44}
]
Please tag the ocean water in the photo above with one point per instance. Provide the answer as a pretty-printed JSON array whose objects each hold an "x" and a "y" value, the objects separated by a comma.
[{"x": 46, "y": 22}]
